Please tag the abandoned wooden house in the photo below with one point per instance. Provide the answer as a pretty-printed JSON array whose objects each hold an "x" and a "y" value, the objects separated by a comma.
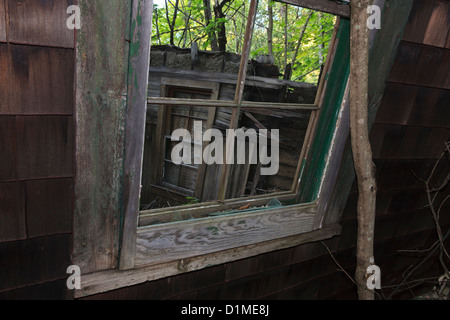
[{"x": 88, "y": 184}]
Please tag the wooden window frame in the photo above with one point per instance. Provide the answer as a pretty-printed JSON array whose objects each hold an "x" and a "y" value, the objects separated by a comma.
[
  {"x": 262, "y": 231},
  {"x": 157, "y": 238}
]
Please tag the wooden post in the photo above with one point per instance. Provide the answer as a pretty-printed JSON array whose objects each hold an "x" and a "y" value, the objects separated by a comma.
[
  {"x": 362, "y": 153},
  {"x": 138, "y": 66}
]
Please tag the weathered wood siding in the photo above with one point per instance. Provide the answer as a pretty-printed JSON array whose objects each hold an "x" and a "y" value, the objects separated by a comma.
[{"x": 36, "y": 148}]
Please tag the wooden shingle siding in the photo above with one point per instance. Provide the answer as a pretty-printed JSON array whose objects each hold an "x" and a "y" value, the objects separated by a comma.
[
  {"x": 4, "y": 78},
  {"x": 429, "y": 23},
  {"x": 40, "y": 22},
  {"x": 7, "y": 148},
  {"x": 44, "y": 146},
  {"x": 423, "y": 65},
  {"x": 415, "y": 105},
  {"x": 39, "y": 80},
  {"x": 12, "y": 211},
  {"x": 36, "y": 148},
  {"x": 34, "y": 261},
  {"x": 49, "y": 206}
]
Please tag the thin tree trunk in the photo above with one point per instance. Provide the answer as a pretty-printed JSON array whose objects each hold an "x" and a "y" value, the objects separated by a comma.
[
  {"x": 187, "y": 18},
  {"x": 362, "y": 153},
  {"x": 270, "y": 29},
  {"x": 294, "y": 57},
  {"x": 221, "y": 31},
  {"x": 285, "y": 35},
  {"x": 211, "y": 32},
  {"x": 157, "y": 26},
  {"x": 236, "y": 36},
  {"x": 174, "y": 18},
  {"x": 172, "y": 23}
]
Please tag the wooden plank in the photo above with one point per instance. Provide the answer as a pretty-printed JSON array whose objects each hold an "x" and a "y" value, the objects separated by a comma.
[
  {"x": 230, "y": 104},
  {"x": 337, "y": 8},
  {"x": 228, "y": 78},
  {"x": 215, "y": 203},
  {"x": 40, "y": 22},
  {"x": 44, "y": 146},
  {"x": 101, "y": 97},
  {"x": 166, "y": 242},
  {"x": 114, "y": 279},
  {"x": 49, "y": 206},
  {"x": 141, "y": 26},
  {"x": 12, "y": 212},
  {"x": 7, "y": 148},
  {"x": 202, "y": 210}
]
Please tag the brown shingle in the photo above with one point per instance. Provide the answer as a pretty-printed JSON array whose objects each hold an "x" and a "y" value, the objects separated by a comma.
[
  {"x": 49, "y": 206},
  {"x": 44, "y": 146},
  {"x": 40, "y": 22},
  {"x": 7, "y": 148},
  {"x": 12, "y": 211}
]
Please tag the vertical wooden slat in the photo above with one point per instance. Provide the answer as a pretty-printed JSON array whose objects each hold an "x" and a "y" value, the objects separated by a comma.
[
  {"x": 223, "y": 184},
  {"x": 138, "y": 70}
]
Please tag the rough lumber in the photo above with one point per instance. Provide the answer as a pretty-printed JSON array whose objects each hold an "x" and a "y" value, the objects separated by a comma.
[
  {"x": 101, "y": 89},
  {"x": 141, "y": 26},
  {"x": 171, "y": 241},
  {"x": 113, "y": 279},
  {"x": 338, "y": 8}
]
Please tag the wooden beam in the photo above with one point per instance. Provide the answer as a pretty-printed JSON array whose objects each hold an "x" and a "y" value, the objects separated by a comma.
[
  {"x": 100, "y": 99},
  {"x": 198, "y": 210},
  {"x": 257, "y": 81},
  {"x": 171, "y": 241},
  {"x": 329, "y": 6},
  {"x": 141, "y": 26},
  {"x": 229, "y": 104},
  {"x": 114, "y": 279}
]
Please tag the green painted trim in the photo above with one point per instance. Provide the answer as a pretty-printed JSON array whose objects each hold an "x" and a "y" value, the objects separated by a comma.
[{"x": 312, "y": 174}]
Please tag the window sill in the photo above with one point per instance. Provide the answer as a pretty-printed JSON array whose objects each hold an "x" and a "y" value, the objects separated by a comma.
[{"x": 108, "y": 280}]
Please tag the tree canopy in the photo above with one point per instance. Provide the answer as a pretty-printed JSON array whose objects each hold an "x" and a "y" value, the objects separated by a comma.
[{"x": 296, "y": 38}]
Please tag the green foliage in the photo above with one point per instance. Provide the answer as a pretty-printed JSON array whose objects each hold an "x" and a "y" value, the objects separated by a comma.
[{"x": 190, "y": 26}]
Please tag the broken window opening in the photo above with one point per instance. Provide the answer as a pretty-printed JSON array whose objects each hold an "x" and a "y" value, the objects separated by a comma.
[{"x": 273, "y": 98}]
